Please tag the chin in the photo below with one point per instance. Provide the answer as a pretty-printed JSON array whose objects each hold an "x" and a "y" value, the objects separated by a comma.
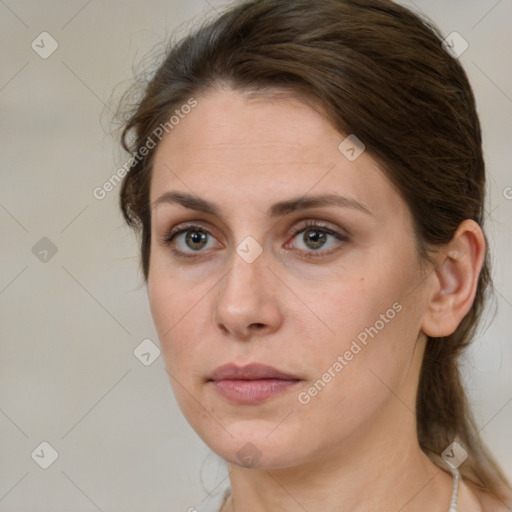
[{"x": 257, "y": 449}]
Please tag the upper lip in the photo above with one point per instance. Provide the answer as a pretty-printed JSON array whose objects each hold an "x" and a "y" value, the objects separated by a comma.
[{"x": 253, "y": 371}]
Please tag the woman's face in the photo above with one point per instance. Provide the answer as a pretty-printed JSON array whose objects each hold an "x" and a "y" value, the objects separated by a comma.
[{"x": 331, "y": 294}]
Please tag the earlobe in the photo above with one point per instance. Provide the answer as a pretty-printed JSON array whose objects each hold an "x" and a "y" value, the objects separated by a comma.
[{"x": 454, "y": 280}]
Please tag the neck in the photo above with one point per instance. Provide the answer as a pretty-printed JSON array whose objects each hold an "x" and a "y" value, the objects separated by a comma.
[{"x": 394, "y": 475}]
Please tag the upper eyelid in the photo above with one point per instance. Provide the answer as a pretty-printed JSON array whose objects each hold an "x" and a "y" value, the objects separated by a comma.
[
  {"x": 186, "y": 226},
  {"x": 300, "y": 225}
]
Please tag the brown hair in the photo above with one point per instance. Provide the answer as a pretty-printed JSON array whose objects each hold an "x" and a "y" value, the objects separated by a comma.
[{"x": 379, "y": 71}]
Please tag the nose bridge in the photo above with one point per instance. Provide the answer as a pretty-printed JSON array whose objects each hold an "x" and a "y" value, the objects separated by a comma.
[
  {"x": 245, "y": 281},
  {"x": 244, "y": 298}
]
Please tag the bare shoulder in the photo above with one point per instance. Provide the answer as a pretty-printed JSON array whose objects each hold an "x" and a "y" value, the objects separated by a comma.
[
  {"x": 491, "y": 504},
  {"x": 472, "y": 499}
]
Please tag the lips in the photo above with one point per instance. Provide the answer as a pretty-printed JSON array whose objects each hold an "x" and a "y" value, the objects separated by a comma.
[
  {"x": 252, "y": 384},
  {"x": 253, "y": 371}
]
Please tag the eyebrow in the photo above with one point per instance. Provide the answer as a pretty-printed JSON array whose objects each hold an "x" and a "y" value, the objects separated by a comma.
[{"x": 280, "y": 208}]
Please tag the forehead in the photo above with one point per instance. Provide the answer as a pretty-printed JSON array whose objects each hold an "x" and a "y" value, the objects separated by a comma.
[
  {"x": 260, "y": 149},
  {"x": 229, "y": 124}
]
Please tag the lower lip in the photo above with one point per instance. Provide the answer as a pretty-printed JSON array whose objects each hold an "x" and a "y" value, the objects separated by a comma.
[{"x": 250, "y": 392}]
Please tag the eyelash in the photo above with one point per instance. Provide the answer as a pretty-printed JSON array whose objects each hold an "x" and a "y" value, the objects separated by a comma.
[{"x": 169, "y": 238}]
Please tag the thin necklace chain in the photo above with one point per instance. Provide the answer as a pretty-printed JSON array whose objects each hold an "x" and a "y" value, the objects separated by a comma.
[
  {"x": 453, "y": 500},
  {"x": 455, "y": 492}
]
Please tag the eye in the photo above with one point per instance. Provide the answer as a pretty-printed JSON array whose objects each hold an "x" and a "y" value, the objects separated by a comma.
[
  {"x": 189, "y": 239},
  {"x": 315, "y": 236}
]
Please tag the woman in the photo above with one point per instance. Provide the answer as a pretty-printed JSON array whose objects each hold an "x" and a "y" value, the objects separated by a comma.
[{"x": 308, "y": 183}]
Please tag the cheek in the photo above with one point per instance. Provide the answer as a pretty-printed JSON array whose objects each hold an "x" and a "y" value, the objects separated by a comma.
[
  {"x": 169, "y": 312},
  {"x": 347, "y": 308},
  {"x": 369, "y": 321},
  {"x": 179, "y": 308},
  {"x": 351, "y": 376}
]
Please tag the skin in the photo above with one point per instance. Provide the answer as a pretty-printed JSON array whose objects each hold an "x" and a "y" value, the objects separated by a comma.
[{"x": 354, "y": 445}]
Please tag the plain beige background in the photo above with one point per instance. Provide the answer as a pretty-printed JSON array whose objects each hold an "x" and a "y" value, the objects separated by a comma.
[{"x": 70, "y": 324}]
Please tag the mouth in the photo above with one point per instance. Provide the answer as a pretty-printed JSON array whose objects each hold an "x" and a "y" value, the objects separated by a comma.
[
  {"x": 251, "y": 384},
  {"x": 253, "y": 371}
]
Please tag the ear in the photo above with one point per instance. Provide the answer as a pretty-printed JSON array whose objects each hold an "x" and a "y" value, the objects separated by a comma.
[{"x": 454, "y": 280}]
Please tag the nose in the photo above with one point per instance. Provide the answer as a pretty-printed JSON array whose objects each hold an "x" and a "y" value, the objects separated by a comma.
[{"x": 247, "y": 300}]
